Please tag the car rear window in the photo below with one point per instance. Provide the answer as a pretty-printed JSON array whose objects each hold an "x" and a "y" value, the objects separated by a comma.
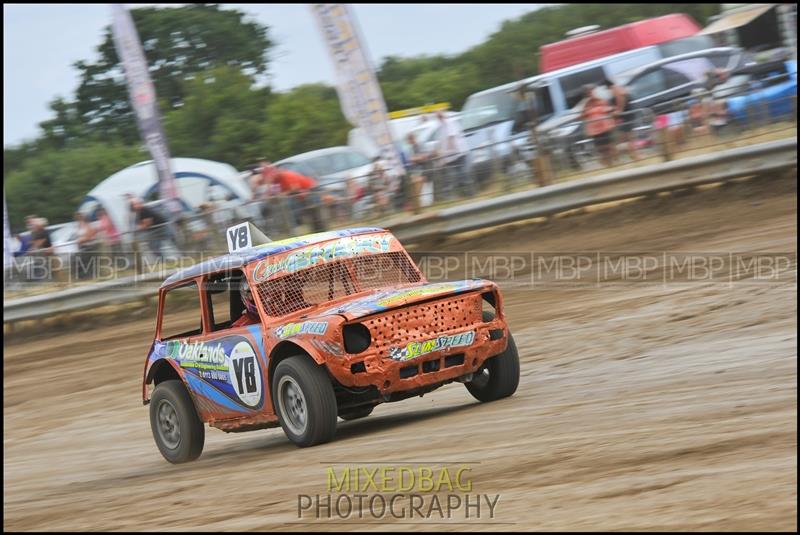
[
  {"x": 333, "y": 280},
  {"x": 181, "y": 313}
]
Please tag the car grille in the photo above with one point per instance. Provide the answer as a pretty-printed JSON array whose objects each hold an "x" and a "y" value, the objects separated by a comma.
[{"x": 424, "y": 321}]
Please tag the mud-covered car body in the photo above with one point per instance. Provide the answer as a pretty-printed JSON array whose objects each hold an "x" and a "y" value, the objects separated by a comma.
[{"x": 353, "y": 301}]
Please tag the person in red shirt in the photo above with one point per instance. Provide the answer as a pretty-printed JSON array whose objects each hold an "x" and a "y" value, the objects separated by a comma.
[
  {"x": 289, "y": 181},
  {"x": 250, "y": 313},
  {"x": 302, "y": 191}
]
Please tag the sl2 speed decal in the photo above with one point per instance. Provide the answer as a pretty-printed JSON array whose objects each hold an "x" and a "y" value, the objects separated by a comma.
[
  {"x": 417, "y": 349},
  {"x": 306, "y": 327}
]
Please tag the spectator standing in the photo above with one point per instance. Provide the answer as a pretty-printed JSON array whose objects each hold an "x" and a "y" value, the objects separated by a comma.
[
  {"x": 418, "y": 170},
  {"x": 40, "y": 237},
  {"x": 599, "y": 124},
  {"x": 87, "y": 245},
  {"x": 87, "y": 234},
  {"x": 453, "y": 150},
  {"x": 151, "y": 224},
  {"x": 624, "y": 114},
  {"x": 698, "y": 111},
  {"x": 379, "y": 188},
  {"x": 30, "y": 219},
  {"x": 107, "y": 232},
  {"x": 303, "y": 193}
]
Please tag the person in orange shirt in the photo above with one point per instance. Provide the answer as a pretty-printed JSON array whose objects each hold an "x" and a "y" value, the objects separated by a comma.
[
  {"x": 599, "y": 124},
  {"x": 250, "y": 313}
]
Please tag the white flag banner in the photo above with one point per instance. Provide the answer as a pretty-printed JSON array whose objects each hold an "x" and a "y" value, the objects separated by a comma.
[
  {"x": 359, "y": 92},
  {"x": 143, "y": 99}
]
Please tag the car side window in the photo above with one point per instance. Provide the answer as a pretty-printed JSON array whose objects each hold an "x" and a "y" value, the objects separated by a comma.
[
  {"x": 181, "y": 316},
  {"x": 675, "y": 79},
  {"x": 647, "y": 85},
  {"x": 223, "y": 299}
]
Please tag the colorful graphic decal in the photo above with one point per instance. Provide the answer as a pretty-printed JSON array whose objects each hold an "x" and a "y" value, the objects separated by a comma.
[
  {"x": 391, "y": 298},
  {"x": 320, "y": 254},
  {"x": 197, "y": 355},
  {"x": 424, "y": 291},
  {"x": 228, "y": 366},
  {"x": 417, "y": 349},
  {"x": 306, "y": 327}
]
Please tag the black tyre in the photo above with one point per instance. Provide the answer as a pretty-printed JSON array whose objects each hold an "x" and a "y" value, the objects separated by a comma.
[
  {"x": 499, "y": 376},
  {"x": 178, "y": 431},
  {"x": 304, "y": 401},
  {"x": 355, "y": 414}
]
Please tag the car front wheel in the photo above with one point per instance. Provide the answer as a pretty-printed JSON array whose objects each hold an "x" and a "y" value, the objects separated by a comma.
[
  {"x": 304, "y": 401},
  {"x": 498, "y": 377}
]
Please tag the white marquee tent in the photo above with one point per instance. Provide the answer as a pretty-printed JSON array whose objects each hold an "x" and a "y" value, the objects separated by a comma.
[{"x": 197, "y": 181}]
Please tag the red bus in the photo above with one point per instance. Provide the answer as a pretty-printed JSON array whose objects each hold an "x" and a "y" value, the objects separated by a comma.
[{"x": 604, "y": 43}]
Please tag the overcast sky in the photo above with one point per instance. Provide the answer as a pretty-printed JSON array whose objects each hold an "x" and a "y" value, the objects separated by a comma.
[{"x": 41, "y": 42}]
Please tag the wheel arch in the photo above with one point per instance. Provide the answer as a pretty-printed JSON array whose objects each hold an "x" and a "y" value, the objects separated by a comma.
[
  {"x": 159, "y": 371},
  {"x": 162, "y": 370},
  {"x": 287, "y": 349}
]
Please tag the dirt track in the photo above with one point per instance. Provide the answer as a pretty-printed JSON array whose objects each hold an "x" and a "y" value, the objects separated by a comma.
[{"x": 641, "y": 405}]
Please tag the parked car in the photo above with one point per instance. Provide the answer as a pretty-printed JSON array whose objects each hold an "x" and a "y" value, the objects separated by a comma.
[
  {"x": 300, "y": 332},
  {"x": 332, "y": 168},
  {"x": 661, "y": 85},
  {"x": 770, "y": 97}
]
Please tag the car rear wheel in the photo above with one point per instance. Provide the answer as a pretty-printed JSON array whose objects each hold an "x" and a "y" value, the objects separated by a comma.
[
  {"x": 304, "y": 401},
  {"x": 499, "y": 376},
  {"x": 178, "y": 431},
  {"x": 355, "y": 414}
]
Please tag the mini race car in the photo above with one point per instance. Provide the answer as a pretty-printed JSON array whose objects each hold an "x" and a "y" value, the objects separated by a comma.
[{"x": 299, "y": 332}]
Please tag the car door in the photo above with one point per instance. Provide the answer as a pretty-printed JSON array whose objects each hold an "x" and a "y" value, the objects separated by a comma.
[
  {"x": 243, "y": 378},
  {"x": 223, "y": 366}
]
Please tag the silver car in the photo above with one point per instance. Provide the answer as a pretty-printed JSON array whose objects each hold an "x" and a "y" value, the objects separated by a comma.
[{"x": 332, "y": 168}]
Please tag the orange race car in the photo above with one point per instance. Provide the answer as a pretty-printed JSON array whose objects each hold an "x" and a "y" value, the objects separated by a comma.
[{"x": 299, "y": 332}]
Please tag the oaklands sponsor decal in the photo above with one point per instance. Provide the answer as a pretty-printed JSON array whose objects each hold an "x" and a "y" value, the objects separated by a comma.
[
  {"x": 198, "y": 355},
  {"x": 417, "y": 349},
  {"x": 320, "y": 254}
]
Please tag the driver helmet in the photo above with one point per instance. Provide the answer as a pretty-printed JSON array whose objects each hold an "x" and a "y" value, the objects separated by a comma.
[{"x": 247, "y": 297}]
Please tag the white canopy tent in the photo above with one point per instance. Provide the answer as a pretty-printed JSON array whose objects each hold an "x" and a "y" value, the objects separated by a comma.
[{"x": 197, "y": 181}]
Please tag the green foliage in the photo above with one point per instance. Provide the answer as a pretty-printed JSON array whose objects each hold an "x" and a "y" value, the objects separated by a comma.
[
  {"x": 307, "y": 117},
  {"x": 55, "y": 182},
  {"x": 179, "y": 43},
  {"x": 220, "y": 118}
]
